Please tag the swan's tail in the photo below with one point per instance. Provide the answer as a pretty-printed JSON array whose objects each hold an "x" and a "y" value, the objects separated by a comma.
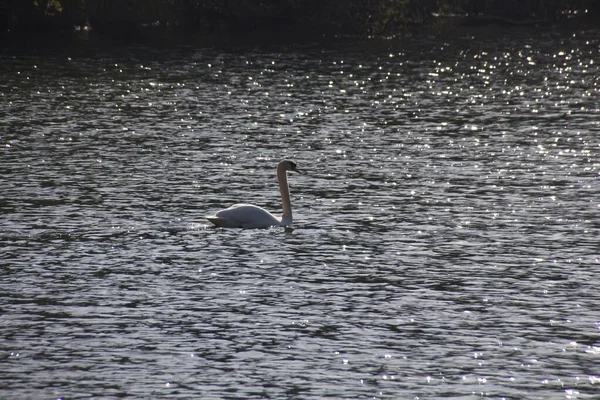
[
  {"x": 223, "y": 223},
  {"x": 214, "y": 219}
]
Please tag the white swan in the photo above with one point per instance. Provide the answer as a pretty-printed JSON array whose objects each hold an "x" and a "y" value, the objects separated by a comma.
[{"x": 250, "y": 216}]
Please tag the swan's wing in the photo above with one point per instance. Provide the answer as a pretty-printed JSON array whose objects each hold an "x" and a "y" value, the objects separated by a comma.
[
  {"x": 244, "y": 216},
  {"x": 224, "y": 218}
]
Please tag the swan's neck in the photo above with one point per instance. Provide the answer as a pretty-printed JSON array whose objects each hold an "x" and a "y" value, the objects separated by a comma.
[{"x": 286, "y": 218}]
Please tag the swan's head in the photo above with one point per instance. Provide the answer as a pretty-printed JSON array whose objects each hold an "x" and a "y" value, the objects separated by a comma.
[{"x": 288, "y": 165}]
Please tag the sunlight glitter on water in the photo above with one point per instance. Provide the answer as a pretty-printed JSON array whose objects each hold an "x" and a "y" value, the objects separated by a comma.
[{"x": 444, "y": 238}]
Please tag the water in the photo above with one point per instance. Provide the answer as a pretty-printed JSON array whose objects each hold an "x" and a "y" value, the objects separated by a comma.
[{"x": 445, "y": 241}]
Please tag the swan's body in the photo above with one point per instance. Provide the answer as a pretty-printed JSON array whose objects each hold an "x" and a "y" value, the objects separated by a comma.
[{"x": 250, "y": 216}]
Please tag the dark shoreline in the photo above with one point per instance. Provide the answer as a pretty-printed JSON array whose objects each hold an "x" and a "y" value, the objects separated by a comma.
[{"x": 157, "y": 37}]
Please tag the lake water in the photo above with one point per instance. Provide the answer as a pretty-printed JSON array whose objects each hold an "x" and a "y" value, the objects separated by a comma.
[{"x": 446, "y": 233}]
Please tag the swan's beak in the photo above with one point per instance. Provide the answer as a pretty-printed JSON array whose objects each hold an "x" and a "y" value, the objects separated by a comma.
[{"x": 295, "y": 169}]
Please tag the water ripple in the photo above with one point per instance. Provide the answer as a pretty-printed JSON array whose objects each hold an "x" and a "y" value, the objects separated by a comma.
[{"x": 445, "y": 232}]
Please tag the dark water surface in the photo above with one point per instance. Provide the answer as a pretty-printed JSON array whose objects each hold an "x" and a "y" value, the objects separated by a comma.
[{"x": 446, "y": 233}]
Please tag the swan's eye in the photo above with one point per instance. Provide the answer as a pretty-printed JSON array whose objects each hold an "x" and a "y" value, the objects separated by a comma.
[{"x": 293, "y": 165}]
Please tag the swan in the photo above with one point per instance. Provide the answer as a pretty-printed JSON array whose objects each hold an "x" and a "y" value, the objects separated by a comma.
[{"x": 249, "y": 216}]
